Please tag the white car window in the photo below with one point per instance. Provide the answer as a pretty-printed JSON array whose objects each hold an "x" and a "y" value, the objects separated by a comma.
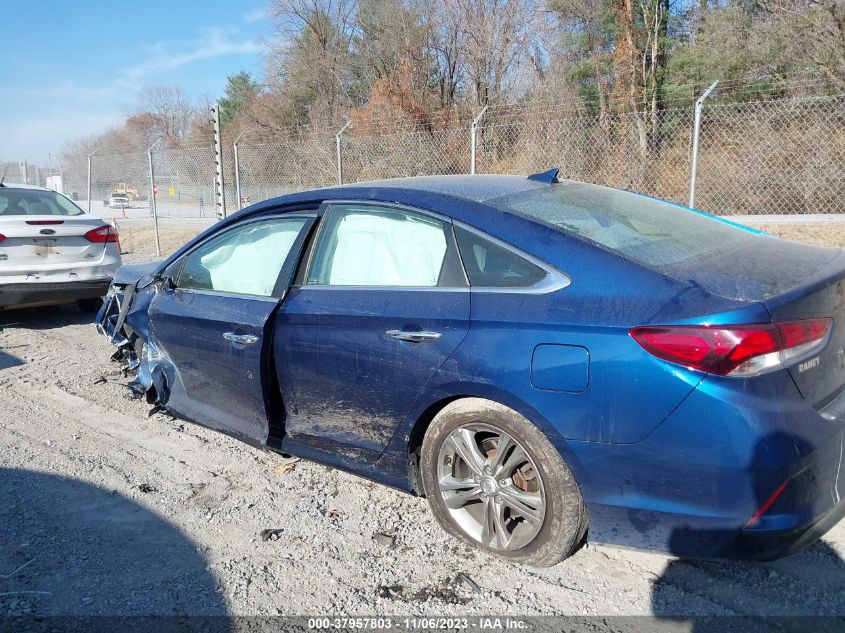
[
  {"x": 35, "y": 202},
  {"x": 244, "y": 260},
  {"x": 362, "y": 246}
]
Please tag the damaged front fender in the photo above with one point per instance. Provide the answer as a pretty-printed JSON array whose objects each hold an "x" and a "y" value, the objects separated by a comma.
[{"x": 124, "y": 320}]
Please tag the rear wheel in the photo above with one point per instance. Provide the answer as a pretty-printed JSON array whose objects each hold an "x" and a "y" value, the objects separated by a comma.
[{"x": 494, "y": 480}]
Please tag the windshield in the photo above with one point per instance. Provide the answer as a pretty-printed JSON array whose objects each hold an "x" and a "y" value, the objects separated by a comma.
[
  {"x": 35, "y": 202},
  {"x": 649, "y": 231}
]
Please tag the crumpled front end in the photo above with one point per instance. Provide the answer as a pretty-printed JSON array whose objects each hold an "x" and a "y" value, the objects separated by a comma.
[{"x": 124, "y": 320}]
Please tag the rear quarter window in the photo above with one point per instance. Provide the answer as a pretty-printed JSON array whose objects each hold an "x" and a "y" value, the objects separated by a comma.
[{"x": 491, "y": 265}]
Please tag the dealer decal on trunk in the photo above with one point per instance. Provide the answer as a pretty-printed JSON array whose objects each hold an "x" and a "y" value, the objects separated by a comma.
[{"x": 809, "y": 364}]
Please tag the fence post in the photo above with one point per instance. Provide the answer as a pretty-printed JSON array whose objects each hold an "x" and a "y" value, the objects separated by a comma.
[
  {"x": 473, "y": 134},
  {"x": 337, "y": 140},
  {"x": 153, "y": 196},
  {"x": 237, "y": 170},
  {"x": 220, "y": 187},
  {"x": 89, "y": 177},
  {"x": 696, "y": 129}
]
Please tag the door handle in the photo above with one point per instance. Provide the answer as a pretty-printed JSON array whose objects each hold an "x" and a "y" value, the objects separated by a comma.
[
  {"x": 240, "y": 339},
  {"x": 413, "y": 337}
]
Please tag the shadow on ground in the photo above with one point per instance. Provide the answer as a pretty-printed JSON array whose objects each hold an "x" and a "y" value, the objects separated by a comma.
[
  {"x": 45, "y": 317},
  {"x": 801, "y": 592},
  {"x": 68, "y": 548}
]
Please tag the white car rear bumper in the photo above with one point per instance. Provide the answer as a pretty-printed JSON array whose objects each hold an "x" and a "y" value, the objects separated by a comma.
[{"x": 58, "y": 283}]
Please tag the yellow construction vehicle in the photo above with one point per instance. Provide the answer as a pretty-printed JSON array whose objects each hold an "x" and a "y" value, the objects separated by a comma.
[{"x": 127, "y": 191}]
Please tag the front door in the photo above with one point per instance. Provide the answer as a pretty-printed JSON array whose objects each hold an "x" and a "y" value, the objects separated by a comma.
[
  {"x": 383, "y": 304},
  {"x": 215, "y": 324}
]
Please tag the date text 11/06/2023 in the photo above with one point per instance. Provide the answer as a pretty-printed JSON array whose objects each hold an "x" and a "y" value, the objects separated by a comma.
[{"x": 417, "y": 623}]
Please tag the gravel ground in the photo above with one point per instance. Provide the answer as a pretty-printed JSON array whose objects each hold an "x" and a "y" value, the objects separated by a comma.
[{"x": 106, "y": 509}]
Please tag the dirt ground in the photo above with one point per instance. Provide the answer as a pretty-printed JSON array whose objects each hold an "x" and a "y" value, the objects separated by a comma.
[
  {"x": 141, "y": 239},
  {"x": 108, "y": 509},
  {"x": 822, "y": 234}
]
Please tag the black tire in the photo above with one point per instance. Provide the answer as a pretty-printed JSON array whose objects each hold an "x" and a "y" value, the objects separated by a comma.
[
  {"x": 565, "y": 522},
  {"x": 90, "y": 306}
]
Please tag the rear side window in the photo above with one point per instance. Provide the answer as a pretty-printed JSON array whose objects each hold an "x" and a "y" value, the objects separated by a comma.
[
  {"x": 489, "y": 265},
  {"x": 34, "y": 202},
  {"x": 373, "y": 246},
  {"x": 244, "y": 260}
]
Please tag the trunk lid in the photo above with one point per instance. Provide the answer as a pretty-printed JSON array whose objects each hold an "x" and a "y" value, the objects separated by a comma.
[
  {"x": 792, "y": 281},
  {"x": 32, "y": 242},
  {"x": 821, "y": 376}
]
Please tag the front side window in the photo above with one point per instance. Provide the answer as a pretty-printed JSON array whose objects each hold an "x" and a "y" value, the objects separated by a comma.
[
  {"x": 244, "y": 260},
  {"x": 375, "y": 246},
  {"x": 490, "y": 265}
]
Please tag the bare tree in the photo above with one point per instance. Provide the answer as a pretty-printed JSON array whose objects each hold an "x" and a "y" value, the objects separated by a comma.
[
  {"x": 309, "y": 61},
  {"x": 588, "y": 38},
  {"x": 813, "y": 30},
  {"x": 167, "y": 110},
  {"x": 493, "y": 37}
]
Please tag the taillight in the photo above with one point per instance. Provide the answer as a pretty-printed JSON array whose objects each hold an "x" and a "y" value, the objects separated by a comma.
[
  {"x": 734, "y": 350},
  {"x": 101, "y": 234},
  {"x": 2, "y": 237}
]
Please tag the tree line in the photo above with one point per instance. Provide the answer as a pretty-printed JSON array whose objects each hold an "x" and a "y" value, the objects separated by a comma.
[{"x": 429, "y": 64}]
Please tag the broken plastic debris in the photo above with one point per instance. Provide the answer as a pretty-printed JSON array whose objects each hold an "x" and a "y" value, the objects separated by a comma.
[{"x": 283, "y": 468}]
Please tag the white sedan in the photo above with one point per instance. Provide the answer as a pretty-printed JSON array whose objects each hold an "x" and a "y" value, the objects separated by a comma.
[{"x": 51, "y": 251}]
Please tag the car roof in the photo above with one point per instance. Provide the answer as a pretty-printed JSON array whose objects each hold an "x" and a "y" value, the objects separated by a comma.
[
  {"x": 463, "y": 197},
  {"x": 477, "y": 188}
]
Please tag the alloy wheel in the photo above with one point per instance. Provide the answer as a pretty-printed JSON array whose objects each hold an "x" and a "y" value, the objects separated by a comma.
[{"x": 491, "y": 486}]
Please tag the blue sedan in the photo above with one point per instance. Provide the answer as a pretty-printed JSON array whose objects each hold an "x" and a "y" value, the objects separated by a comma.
[{"x": 545, "y": 361}]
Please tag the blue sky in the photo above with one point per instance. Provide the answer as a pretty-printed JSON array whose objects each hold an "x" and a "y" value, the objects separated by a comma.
[{"x": 73, "y": 68}]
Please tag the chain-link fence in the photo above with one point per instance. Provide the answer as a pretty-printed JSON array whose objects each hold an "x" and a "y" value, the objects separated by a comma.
[
  {"x": 420, "y": 153},
  {"x": 267, "y": 170},
  {"x": 628, "y": 151},
  {"x": 773, "y": 157},
  {"x": 184, "y": 182},
  {"x": 118, "y": 183}
]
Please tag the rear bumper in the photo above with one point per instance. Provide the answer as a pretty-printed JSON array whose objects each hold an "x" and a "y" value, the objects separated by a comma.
[
  {"x": 693, "y": 486},
  {"x": 50, "y": 293},
  {"x": 765, "y": 546}
]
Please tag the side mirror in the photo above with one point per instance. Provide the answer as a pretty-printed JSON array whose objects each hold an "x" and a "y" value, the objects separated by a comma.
[{"x": 165, "y": 282}]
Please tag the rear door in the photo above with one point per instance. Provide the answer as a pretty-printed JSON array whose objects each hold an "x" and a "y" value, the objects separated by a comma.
[
  {"x": 216, "y": 326},
  {"x": 383, "y": 304}
]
